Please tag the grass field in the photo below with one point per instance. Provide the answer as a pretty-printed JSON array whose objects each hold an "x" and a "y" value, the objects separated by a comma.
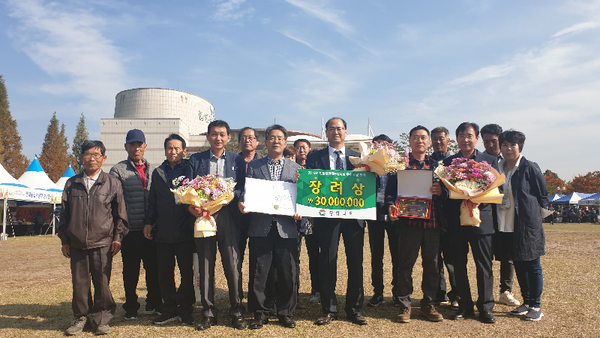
[{"x": 35, "y": 295}]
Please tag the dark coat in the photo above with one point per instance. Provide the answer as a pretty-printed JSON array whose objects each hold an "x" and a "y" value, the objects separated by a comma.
[
  {"x": 172, "y": 223},
  {"x": 452, "y": 206},
  {"x": 530, "y": 194}
]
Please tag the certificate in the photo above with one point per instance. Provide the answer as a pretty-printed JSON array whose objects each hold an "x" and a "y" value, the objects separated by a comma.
[
  {"x": 270, "y": 197},
  {"x": 414, "y": 196}
]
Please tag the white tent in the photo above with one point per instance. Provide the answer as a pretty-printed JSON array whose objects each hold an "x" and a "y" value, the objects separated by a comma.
[
  {"x": 36, "y": 178},
  {"x": 65, "y": 177}
]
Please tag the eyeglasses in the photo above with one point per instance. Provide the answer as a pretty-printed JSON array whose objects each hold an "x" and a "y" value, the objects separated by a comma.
[
  {"x": 273, "y": 139},
  {"x": 94, "y": 156},
  {"x": 247, "y": 138},
  {"x": 335, "y": 129},
  {"x": 466, "y": 137}
]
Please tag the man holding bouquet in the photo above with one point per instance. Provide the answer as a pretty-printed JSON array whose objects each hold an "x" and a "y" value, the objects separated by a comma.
[
  {"x": 273, "y": 239},
  {"x": 479, "y": 237},
  {"x": 418, "y": 234},
  {"x": 217, "y": 160}
]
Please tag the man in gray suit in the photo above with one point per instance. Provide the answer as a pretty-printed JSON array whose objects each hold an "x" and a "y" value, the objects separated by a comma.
[{"x": 273, "y": 238}]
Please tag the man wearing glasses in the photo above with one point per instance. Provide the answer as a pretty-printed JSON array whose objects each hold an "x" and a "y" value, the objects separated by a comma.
[{"x": 335, "y": 157}]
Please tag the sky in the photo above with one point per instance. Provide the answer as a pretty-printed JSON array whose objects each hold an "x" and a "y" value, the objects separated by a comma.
[{"x": 533, "y": 66}]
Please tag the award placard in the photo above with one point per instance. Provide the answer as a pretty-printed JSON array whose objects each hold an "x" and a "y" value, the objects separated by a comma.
[{"x": 414, "y": 197}]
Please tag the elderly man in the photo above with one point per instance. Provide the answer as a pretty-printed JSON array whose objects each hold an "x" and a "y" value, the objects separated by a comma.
[
  {"x": 93, "y": 222},
  {"x": 273, "y": 238},
  {"x": 502, "y": 243},
  {"x": 135, "y": 176},
  {"x": 479, "y": 238},
  {"x": 418, "y": 234},
  {"x": 335, "y": 157},
  {"x": 217, "y": 160},
  {"x": 171, "y": 226}
]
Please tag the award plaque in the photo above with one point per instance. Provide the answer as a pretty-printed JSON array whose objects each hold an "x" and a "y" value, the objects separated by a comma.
[{"x": 413, "y": 207}]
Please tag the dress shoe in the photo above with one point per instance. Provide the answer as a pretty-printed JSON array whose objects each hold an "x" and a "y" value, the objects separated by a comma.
[
  {"x": 238, "y": 322},
  {"x": 357, "y": 318},
  {"x": 326, "y": 319},
  {"x": 287, "y": 321},
  {"x": 206, "y": 323},
  {"x": 487, "y": 317},
  {"x": 461, "y": 314},
  {"x": 258, "y": 323}
]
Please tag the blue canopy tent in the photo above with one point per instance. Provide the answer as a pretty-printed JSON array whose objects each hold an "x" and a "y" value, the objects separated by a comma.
[
  {"x": 572, "y": 198},
  {"x": 555, "y": 197},
  {"x": 594, "y": 199}
]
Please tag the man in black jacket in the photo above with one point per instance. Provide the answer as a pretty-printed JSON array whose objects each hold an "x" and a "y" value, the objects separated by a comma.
[
  {"x": 171, "y": 226},
  {"x": 335, "y": 157},
  {"x": 478, "y": 237}
]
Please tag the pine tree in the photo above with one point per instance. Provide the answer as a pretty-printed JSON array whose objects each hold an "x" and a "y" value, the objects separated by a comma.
[
  {"x": 10, "y": 149},
  {"x": 81, "y": 134},
  {"x": 55, "y": 157}
]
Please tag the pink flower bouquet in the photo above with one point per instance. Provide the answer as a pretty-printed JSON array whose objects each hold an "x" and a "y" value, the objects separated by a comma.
[
  {"x": 380, "y": 158},
  {"x": 474, "y": 182},
  {"x": 209, "y": 193}
]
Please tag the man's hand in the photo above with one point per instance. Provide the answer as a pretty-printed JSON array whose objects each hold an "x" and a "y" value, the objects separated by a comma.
[
  {"x": 195, "y": 210},
  {"x": 242, "y": 208},
  {"x": 436, "y": 189},
  {"x": 66, "y": 250},
  {"x": 148, "y": 231},
  {"x": 115, "y": 247},
  {"x": 297, "y": 217},
  {"x": 392, "y": 209}
]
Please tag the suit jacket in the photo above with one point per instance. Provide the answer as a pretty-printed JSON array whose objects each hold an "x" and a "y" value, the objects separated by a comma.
[
  {"x": 199, "y": 165},
  {"x": 320, "y": 160},
  {"x": 260, "y": 224},
  {"x": 452, "y": 206}
]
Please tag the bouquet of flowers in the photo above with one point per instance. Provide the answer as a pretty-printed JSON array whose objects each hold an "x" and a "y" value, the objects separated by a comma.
[
  {"x": 474, "y": 182},
  {"x": 209, "y": 193},
  {"x": 380, "y": 158}
]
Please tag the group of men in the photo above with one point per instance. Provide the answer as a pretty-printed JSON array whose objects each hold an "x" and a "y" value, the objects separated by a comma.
[{"x": 133, "y": 210}]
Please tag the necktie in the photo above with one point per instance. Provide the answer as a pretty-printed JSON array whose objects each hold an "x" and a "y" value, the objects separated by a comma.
[{"x": 338, "y": 161}]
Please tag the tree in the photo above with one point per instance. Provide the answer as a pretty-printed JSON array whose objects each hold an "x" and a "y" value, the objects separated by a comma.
[
  {"x": 10, "y": 151},
  {"x": 589, "y": 183},
  {"x": 81, "y": 134},
  {"x": 554, "y": 184},
  {"x": 55, "y": 150}
]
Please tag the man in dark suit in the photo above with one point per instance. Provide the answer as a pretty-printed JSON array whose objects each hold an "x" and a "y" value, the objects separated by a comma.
[
  {"x": 478, "y": 237},
  {"x": 335, "y": 157},
  {"x": 273, "y": 239},
  {"x": 217, "y": 160}
]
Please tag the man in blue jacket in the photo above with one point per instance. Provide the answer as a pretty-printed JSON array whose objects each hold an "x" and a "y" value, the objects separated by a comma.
[{"x": 217, "y": 160}]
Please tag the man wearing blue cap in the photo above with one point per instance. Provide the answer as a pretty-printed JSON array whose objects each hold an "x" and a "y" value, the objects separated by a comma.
[{"x": 135, "y": 176}]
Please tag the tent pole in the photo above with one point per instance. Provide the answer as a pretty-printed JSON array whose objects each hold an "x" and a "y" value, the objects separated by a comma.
[
  {"x": 53, "y": 220},
  {"x": 4, "y": 236}
]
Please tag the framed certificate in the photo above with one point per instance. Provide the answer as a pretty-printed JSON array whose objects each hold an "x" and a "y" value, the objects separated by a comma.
[{"x": 414, "y": 197}]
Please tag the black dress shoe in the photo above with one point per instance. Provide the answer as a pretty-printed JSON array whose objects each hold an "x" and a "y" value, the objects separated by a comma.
[
  {"x": 461, "y": 314},
  {"x": 287, "y": 321},
  {"x": 238, "y": 322},
  {"x": 258, "y": 323},
  {"x": 357, "y": 318},
  {"x": 487, "y": 317},
  {"x": 326, "y": 319},
  {"x": 206, "y": 323}
]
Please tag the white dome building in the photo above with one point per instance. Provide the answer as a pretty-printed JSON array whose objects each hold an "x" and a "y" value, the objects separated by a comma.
[{"x": 157, "y": 112}]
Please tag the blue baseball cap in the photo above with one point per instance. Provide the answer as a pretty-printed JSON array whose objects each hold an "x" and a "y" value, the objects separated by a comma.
[{"x": 135, "y": 135}]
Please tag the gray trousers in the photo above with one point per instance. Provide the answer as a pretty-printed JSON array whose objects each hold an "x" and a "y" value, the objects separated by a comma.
[
  {"x": 228, "y": 239},
  {"x": 97, "y": 265}
]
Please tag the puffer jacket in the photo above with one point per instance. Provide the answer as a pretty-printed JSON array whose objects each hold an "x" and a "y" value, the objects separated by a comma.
[
  {"x": 136, "y": 197},
  {"x": 93, "y": 219}
]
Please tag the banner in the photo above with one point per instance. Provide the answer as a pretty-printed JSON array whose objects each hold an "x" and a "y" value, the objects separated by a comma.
[{"x": 336, "y": 194}]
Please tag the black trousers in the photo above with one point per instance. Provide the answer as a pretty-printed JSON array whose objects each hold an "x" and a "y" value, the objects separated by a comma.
[
  {"x": 312, "y": 249},
  {"x": 228, "y": 238},
  {"x": 377, "y": 230},
  {"x": 503, "y": 248},
  {"x": 481, "y": 247},
  {"x": 411, "y": 240},
  {"x": 446, "y": 257},
  {"x": 329, "y": 231},
  {"x": 97, "y": 264},
  {"x": 176, "y": 300},
  {"x": 136, "y": 249},
  {"x": 281, "y": 253}
]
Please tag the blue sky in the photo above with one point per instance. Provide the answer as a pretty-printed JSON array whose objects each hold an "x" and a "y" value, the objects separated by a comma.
[{"x": 529, "y": 65}]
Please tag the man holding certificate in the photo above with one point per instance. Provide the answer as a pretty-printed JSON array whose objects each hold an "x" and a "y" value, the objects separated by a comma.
[
  {"x": 418, "y": 231},
  {"x": 272, "y": 238}
]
